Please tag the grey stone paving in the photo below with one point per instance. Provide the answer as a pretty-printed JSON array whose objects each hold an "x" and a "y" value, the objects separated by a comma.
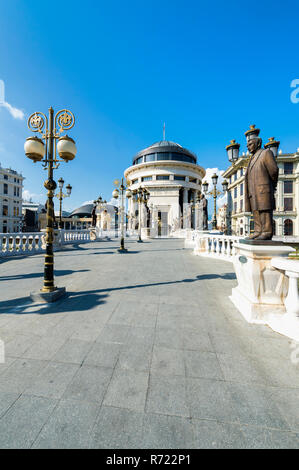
[{"x": 147, "y": 351}]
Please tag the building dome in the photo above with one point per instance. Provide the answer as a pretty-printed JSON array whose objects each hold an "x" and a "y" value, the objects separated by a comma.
[
  {"x": 164, "y": 150},
  {"x": 86, "y": 210},
  {"x": 82, "y": 211}
]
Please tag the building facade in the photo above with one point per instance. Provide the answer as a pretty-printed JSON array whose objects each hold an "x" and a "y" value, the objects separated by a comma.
[
  {"x": 286, "y": 220},
  {"x": 11, "y": 185},
  {"x": 30, "y": 216},
  {"x": 172, "y": 177}
]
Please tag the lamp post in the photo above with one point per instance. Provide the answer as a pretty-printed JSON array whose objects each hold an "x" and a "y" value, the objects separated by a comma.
[
  {"x": 45, "y": 150},
  {"x": 60, "y": 195},
  {"x": 214, "y": 193},
  {"x": 142, "y": 198},
  {"x": 123, "y": 191}
]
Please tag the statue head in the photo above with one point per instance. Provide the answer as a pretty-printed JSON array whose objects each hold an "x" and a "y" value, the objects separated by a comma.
[{"x": 254, "y": 144}]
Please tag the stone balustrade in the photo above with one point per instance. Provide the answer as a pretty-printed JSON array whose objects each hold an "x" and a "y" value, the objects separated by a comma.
[
  {"x": 213, "y": 245},
  {"x": 20, "y": 243},
  {"x": 27, "y": 243},
  {"x": 291, "y": 269}
]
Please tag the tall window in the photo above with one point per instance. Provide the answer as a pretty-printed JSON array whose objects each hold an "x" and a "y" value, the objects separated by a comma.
[
  {"x": 241, "y": 171},
  {"x": 235, "y": 207},
  {"x": 288, "y": 168},
  {"x": 235, "y": 192},
  {"x": 5, "y": 211},
  {"x": 288, "y": 204},
  {"x": 288, "y": 187},
  {"x": 241, "y": 205},
  {"x": 288, "y": 227},
  {"x": 241, "y": 189},
  {"x": 5, "y": 188}
]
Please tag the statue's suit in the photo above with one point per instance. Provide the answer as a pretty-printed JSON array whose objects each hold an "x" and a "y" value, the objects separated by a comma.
[{"x": 260, "y": 184}]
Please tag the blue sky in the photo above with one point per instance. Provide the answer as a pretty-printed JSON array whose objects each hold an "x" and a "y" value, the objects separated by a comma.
[{"x": 208, "y": 69}]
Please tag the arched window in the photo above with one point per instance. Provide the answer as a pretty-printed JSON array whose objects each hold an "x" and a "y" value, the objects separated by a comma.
[{"x": 288, "y": 227}]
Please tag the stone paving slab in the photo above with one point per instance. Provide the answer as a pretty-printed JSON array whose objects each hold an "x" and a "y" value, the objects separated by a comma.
[{"x": 145, "y": 351}]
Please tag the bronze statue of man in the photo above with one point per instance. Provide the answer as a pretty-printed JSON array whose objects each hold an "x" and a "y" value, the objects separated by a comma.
[{"x": 260, "y": 184}]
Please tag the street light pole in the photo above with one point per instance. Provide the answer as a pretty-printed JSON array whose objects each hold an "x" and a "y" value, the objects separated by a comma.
[
  {"x": 214, "y": 193},
  {"x": 60, "y": 195},
  {"x": 43, "y": 150}
]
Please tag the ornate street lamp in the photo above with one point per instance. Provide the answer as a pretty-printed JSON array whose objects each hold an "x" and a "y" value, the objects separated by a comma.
[
  {"x": 45, "y": 150},
  {"x": 233, "y": 151},
  {"x": 124, "y": 191},
  {"x": 272, "y": 145},
  {"x": 60, "y": 195},
  {"x": 214, "y": 193}
]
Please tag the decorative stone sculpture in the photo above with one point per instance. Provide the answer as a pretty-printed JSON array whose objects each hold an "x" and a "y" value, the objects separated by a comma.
[{"x": 203, "y": 213}]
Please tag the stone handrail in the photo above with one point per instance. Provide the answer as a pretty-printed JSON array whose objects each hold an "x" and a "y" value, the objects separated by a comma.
[
  {"x": 214, "y": 246},
  {"x": 291, "y": 270},
  {"x": 26, "y": 243},
  {"x": 20, "y": 243}
]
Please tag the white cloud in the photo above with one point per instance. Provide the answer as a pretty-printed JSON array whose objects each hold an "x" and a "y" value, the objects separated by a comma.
[
  {"x": 15, "y": 112},
  {"x": 86, "y": 202},
  {"x": 29, "y": 196},
  {"x": 113, "y": 201}
]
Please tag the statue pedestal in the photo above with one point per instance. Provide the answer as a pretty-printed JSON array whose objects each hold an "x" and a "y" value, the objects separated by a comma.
[
  {"x": 200, "y": 245},
  {"x": 145, "y": 233},
  {"x": 261, "y": 289}
]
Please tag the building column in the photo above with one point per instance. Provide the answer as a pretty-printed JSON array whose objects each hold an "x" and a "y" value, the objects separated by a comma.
[{"x": 185, "y": 208}]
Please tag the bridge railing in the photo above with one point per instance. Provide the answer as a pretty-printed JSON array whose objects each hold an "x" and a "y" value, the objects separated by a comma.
[
  {"x": 26, "y": 243},
  {"x": 20, "y": 243},
  {"x": 214, "y": 246}
]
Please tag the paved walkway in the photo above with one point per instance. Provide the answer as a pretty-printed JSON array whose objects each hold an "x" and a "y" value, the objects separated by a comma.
[{"x": 147, "y": 351}]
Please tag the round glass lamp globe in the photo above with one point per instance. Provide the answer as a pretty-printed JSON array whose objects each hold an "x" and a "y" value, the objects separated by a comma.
[
  {"x": 34, "y": 148},
  {"x": 66, "y": 148}
]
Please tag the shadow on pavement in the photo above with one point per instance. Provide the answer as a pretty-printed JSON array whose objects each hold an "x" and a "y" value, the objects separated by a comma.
[
  {"x": 86, "y": 300},
  {"x": 72, "y": 302},
  {"x": 63, "y": 272}
]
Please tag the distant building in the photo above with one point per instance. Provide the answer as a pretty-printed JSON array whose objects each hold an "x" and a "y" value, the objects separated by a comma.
[
  {"x": 30, "y": 212},
  {"x": 11, "y": 185},
  {"x": 172, "y": 177},
  {"x": 286, "y": 217},
  {"x": 81, "y": 218}
]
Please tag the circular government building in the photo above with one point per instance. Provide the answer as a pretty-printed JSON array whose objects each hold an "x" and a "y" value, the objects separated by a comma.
[{"x": 172, "y": 177}]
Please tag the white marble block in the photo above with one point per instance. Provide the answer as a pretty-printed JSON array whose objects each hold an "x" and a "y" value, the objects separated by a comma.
[{"x": 261, "y": 289}]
